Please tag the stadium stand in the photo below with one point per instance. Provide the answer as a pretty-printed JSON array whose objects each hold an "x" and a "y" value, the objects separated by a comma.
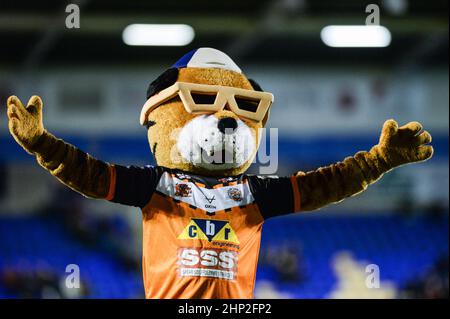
[{"x": 404, "y": 248}]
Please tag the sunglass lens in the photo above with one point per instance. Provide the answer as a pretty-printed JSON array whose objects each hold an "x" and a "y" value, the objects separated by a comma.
[
  {"x": 202, "y": 98},
  {"x": 247, "y": 104}
]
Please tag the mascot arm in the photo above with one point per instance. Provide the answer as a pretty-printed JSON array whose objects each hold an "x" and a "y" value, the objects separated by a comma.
[
  {"x": 72, "y": 167},
  {"x": 78, "y": 170},
  {"x": 396, "y": 147}
]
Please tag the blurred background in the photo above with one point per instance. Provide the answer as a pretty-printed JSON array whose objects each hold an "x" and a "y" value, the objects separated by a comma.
[{"x": 330, "y": 102}]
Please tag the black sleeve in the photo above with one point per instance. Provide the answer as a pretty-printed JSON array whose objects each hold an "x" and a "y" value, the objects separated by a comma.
[
  {"x": 134, "y": 186},
  {"x": 273, "y": 195}
]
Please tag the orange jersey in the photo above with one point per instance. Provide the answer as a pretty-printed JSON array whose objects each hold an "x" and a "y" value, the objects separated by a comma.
[{"x": 201, "y": 235}]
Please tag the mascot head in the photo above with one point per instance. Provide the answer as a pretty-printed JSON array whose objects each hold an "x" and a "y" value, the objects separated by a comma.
[{"x": 204, "y": 116}]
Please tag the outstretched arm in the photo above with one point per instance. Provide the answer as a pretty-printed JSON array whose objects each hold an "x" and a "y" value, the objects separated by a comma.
[
  {"x": 74, "y": 168},
  {"x": 396, "y": 147}
]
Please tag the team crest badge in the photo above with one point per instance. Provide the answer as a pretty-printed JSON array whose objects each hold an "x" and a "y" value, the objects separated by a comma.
[
  {"x": 235, "y": 194},
  {"x": 183, "y": 190}
]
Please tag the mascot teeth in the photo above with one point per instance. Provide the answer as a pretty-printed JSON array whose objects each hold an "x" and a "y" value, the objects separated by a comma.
[
  {"x": 218, "y": 157},
  {"x": 201, "y": 143}
]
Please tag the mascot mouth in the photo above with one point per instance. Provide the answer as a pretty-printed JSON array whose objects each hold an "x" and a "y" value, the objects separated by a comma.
[
  {"x": 202, "y": 144},
  {"x": 217, "y": 157}
]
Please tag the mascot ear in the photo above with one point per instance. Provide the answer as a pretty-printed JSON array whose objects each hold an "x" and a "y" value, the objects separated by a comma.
[
  {"x": 163, "y": 81},
  {"x": 255, "y": 85}
]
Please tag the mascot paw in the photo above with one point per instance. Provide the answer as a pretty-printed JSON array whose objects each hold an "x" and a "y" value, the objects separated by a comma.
[
  {"x": 405, "y": 144},
  {"x": 25, "y": 123}
]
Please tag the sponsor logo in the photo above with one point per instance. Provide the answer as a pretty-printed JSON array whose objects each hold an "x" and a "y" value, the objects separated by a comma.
[
  {"x": 235, "y": 194},
  {"x": 210, "y": 199},
  {"x": 210, "y": 230},
  {"x": 226, "y": 179},
  {"x": 182, "y": 176},
  {"x": 216, "y": 263},
  {"x": 183, "y": 190}
]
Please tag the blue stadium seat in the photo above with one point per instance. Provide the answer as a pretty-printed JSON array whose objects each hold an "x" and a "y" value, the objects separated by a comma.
[{"x": 403, "y": 249}]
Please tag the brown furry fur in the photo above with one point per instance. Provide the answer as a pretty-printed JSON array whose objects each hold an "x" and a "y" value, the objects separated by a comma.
[
  {"x": 397, "y": 146},
  {"x": 72, "y": 167}
]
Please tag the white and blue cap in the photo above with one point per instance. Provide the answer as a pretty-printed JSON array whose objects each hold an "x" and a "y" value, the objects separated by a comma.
[{"x": 207, "y": 58}]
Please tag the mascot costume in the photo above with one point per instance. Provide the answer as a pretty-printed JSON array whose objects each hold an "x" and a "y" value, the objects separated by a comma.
[{"x": 202, "y": 215}]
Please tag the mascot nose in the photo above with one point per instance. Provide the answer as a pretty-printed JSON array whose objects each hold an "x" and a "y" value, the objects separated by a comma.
[{"x": 227, "y": 125}]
